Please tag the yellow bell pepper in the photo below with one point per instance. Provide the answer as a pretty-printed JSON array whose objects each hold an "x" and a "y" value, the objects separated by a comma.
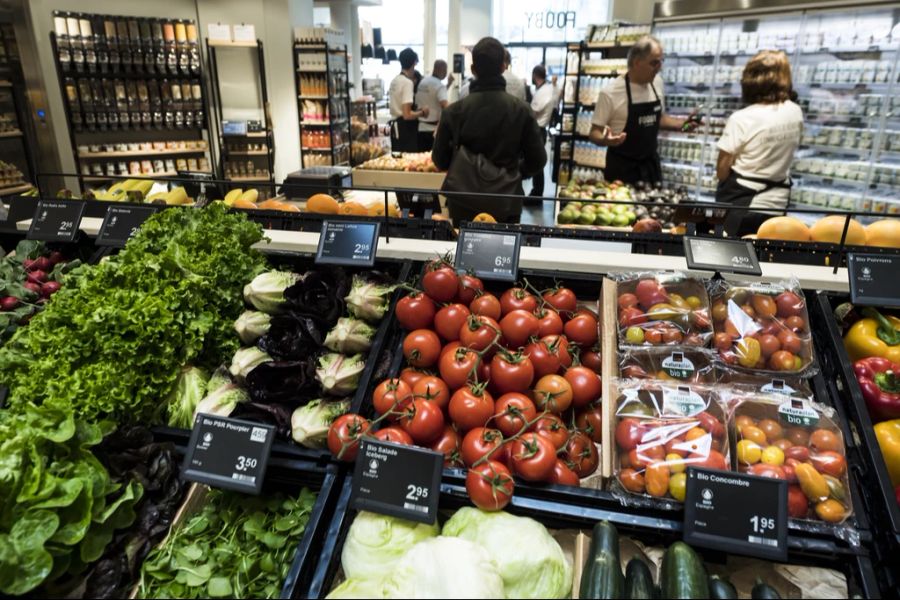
[
  {"x": 888, "y": 434},
  {"x": 875, "y": 335}
]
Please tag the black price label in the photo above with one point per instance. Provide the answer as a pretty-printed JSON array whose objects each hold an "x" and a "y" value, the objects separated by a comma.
[
  {"x": 489, "y": 254},
  {"x": 228, "y": 453},
  {"x": 736, "y": 512},
  {"x": 873, "y": 279},
  {"x": 56, "y": 221},
  {"x": 709, "y": 254},
  {"x": 396, "y": 480},
  {"x": 348, "y": 243},
  {"x": 122, "y": 222}
]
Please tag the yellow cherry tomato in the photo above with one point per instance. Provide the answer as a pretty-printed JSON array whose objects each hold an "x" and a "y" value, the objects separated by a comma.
[
  {"x": 678, "y": 486},
  {"x": 754, "y": 434},
  {"x": 694, "y": 302},
  {"x": 773, "y": 455},
  {"x": 675, "y": 463},
  {"x": 830, "y": 510},
  {"x": 748, "y": 452}
]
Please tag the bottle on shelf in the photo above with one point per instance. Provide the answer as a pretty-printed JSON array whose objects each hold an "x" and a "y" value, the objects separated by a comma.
[
  {"x": 149, "y": 55},
  {"x": 112, "y": 45},
  {"x": 87, "y": 41},
  {"x": 75, "y": 43},
  {"x": 63, "y": 49},
  {"x": 124, "y": 45}
]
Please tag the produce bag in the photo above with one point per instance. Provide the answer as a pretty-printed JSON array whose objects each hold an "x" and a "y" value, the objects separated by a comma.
[
  {"x": 661, "y": 429},
  {"x": 762, "y": 327},
  {"x": 797, "y": 440},
  {"x": 657, "y": 309},
  {"x": 687, "y": 365}
]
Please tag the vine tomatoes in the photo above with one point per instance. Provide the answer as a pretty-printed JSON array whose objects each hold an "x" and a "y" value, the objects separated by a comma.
[
  {"x": 562, "y": 474},
  {"x": 562, "y": 299},
  {"x": 440, "y": 282},
  {"x": 532, "y": 457},
  {"x": 458, "y": 367},
  {"x": 415, "y": 311},
  {"x": 590, "y": 421},
  {"x": 478, "y": 332},
  {"x": 471, "y": 406},
  {"x": 449, "y": 320},
  {"x": 511, "y": 372},
  {"x": 393, "y": 434},
  {"x": 490, "y": 486},
  {"x": 344, "y": 434},
  {"x": 434, "y": 389},
  {"x": 559, "y": 345},
  {"x": 552, "y": 427},
  {"x": 468, "y": 289},
  {"x": 486, "y": 305},
  {"x": 542, "y": 359},
  {"x": 390, "y": 395},
  {"x": 513, "y": 412},
  {"x": 591, "y": 359},
  {"x": 448, "y": 445},
  {"x": 411, "y": 375},
  {"x": 421, "y": 348},
  {"x": 480, "y": 442},
  {"x": 518, "y": 326},
  {"x": 586, "y": 386},
  {"x": 581, "y": 455},
  {"x": 422, "y": 420},
  {"x": 549, "y": 322},
  {"x": 517, "y": 299},
  {"x": 582, "y": 330},
  {"x": 553, "y": 393}
]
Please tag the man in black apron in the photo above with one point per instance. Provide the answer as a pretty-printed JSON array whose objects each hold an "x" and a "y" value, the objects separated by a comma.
[{"x": 404, "y": 116}]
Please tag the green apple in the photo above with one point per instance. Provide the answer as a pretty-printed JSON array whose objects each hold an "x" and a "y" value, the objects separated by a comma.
[
  {"x": 585, "y": 218},
  {"x": 620, "y": 220},
  {"x": 603, "y": 218}
]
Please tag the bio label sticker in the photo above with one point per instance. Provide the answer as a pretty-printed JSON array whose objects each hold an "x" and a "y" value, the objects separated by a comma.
[
  {"x": 798, "y": 412},
  {"x": 677, "y": 366},
  {"x": 682, "y": 401}
]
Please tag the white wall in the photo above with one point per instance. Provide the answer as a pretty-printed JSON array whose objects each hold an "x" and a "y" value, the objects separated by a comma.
[
  {"x": 636, "y": 11},
  {"x": 475, "y": 21}
]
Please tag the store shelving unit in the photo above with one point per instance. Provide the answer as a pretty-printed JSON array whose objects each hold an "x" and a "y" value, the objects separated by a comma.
[
  {"x": 243, "y": 156},
  {"x": 323, "y": 102},
  {"x": 16, "y": 134},
  {"x": 132, "y": 88}
]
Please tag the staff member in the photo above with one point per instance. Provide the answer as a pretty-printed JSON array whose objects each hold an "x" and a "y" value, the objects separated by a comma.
[
  {"x": 546, "y": 98},
  {"x": 758, "y": 143},
  {"x": 629, "y": 114},
  {"x": 514, "y": 86},
  {"x": 432, "y": 94},
  {"x": 405, "y": 119}
]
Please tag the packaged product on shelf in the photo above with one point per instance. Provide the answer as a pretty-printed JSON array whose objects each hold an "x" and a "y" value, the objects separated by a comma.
[
  {"x": 662, "y": 309},
  {"x": 661, "y": 429},
  {"x": 762, "y": 327},
  {"x": 688, "y": 365},
  {"x": 796, "y": 440}
]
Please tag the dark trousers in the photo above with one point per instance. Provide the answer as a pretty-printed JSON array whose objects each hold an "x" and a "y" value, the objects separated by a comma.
[
  {"x": 426, "y": 141},
  {"x": 537, "y": 181}
]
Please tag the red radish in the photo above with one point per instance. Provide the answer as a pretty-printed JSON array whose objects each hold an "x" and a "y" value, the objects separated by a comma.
[
  {"x": 55, "y": 258},
  {"x": 37, "y": 276},
  {"x": 9, "y": 303},
  {"x": 42, "y": 263},
  {"x": 33, "y": 287},
  {"x": 28, "y": 263},
  {"x": 50, "y": 288}
]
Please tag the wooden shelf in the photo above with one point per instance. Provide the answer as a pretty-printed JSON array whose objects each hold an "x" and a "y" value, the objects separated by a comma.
[
  {"x": 253, "y": 134},
  {"x": 303, "y": 97},
  {"x": 5, "y": 83},
  {"x": 257, "y": 179},
  {"x": 15, "y": 189},
  {"x": 246, "y": 152},
  {"x": 129, "y": 176},
  {"x": 231, "y": 44},
  {"x": 308, "y": 70},
  {"x": 125, "y": 153},
  {"x": 10, "y": 134}
]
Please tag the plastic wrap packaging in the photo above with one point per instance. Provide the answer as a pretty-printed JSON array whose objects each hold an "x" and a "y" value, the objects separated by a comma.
[
  {"x": 795, "y": 439},
  {"x": 661, "y": 429},
  {"x": 656, "y": 309},
  {"x": 762, "y": 327},
  {"x": 681, "y": 365}
]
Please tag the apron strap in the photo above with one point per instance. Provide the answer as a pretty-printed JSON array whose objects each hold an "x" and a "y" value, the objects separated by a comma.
[{"x": 766, "y": 182}]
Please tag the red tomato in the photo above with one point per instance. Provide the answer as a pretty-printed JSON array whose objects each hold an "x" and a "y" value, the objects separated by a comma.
[
  {"x": 562, "y": 474},
  {"x": 630, "y": 316},
  {"x": 790, "y": 341},
  {"x": 553, "y": 393},
  {"x": 559, "y": 345},
  {"x": 469, "y": 287},
  {"x": 423, "y": 420},
  {"x": 562, "y": 299},
  {"x": 518, "y": 326},
  {"x": 478, "y": 332},
  {"x": 470, "y": 407},
  {"x": 511, "y": 372},
  {"x": 764, "y": 470},
  {"x": 449, "y": 320},
  {"x": 799, "y": 453},
  {"x": 517, "y": 299},
  {"x": 440, "y": 282},
  {"x": 512, "y": 412},
  {"x": 458, "y": 367},
  {"x": 591, "y": 360},
  {"x": 434, "y": 389},
  {"x": 628, "y": 433},
  {"x": 586, "y": 386},
  {"x": 448, "y": 445},
  {"x": 391, "y": 395},
  {"x": 582, "y": 330},
  {"x": 715, "y": 460},
  {"x": 481, "y": 441},
  {"x": 490, "y": 486},
  {"x": 542, "y": 359},
  {"x": 590, "y": 421},
  {"x": 798, "y": 505},
  {"x": 711, "y": 424},
  {"x": 830, "y": 463},
  {"x": 549, "y": 322},
  {"x": 581, "y": 455},
  {"x": 486, "y": 305},
  {"x": 421, "y": 348},
  {"x": 646, "y": 456},
  {"x": 627, "y": 300},
  {"x": 411, "y": 375},
  {"x": 449, "y": 347},
  {"x": 344, "y": 434},
  {"x": 415, "y": 311},
  {"x": 552, "y": 427},
  {"x": 532, "y": 457},
  {"x": 393, "y": 434},
  {"x": 789, "y": 305}
]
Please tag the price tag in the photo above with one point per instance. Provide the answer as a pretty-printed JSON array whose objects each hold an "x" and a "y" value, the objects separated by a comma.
[
  {"x": 244, "y": 33},
  {"x": 873, "y": 279},
  {"x": 489, "y": 254},
  {"x": 736, "y": 512},
  {"x": 396, "y": 480},
  {"x": 122, "y": 222},
  {"x": 228, "y": 453},
  {"x": 56, "y": 221},
  {"x": 710, "y": 254},
  {"x": 348, "y": 243}
]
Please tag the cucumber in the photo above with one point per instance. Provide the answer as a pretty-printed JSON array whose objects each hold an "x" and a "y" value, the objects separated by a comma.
[
  {"x": 683, "y": 574},
  {"x": 764, "y": 591},
  {"x": 639, "y": 581},
  {"x": 602, "y": 575},
  {"x": 721, "y": 589}
]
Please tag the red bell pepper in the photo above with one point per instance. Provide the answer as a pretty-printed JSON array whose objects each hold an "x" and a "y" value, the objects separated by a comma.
[{"x": 879, "y": 380}]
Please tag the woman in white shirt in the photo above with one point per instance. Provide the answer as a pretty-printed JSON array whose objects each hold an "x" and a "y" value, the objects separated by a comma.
[{"x": 758, "y": 144}]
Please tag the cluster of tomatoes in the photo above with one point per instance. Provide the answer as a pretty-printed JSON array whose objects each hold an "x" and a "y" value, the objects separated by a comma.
[
  {"x": 504, "y": 386},
  {"x": 650, "y": 314}
]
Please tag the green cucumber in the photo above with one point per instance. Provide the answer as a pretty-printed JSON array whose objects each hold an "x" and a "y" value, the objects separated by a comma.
[
  {"x": 602, "y": 575},
  {"x": 639, "y": 581},
  {"x": 683, "y": 574},
  {"x": 721, "y": 589},
  {"x": 764, "y": 591}
]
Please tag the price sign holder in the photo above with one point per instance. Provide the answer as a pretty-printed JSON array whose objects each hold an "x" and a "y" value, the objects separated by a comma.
[
  {"x": 736, "y": 512},
  {"x": 489, "y": 254},
  {"x": 228, "y": 453},
  {"x": 873, "y": 279},
  {"x": 122, "y": 222},
  {"x": 56, "y": 220},
  {"x": 348, "y": 243},
  {"x": 397, "y": 480},
  {"x": 20, "y": 208},
  {"x": 721, "y": 255}
]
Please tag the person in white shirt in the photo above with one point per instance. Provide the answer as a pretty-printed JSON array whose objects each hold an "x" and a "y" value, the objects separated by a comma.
[
  {"x": 546, "y": 98},
  {"x": 629, "y": 113},
  {"x": 758, "y": 143},
  {"x": 432, "y": 94},
  {"x": 405, "y": 118},
  {"x": 514, "y": 85}
]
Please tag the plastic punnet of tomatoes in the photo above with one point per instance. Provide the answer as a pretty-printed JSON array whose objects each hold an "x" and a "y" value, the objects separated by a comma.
[
  {"x": 687, "y": 365},
  {"x": 796, "y": 440},
  {"x": 656, "y": 309},
  {"x": 661, "y": 430},
  {"x": 786, "y": 385},
  {"x": 762, "y": 327}
]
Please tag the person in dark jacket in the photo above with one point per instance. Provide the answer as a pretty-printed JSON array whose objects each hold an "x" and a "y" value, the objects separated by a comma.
[{"x": 494, "y": 124}]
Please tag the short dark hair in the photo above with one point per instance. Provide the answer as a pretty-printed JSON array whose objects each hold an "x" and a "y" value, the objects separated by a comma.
[
  {"x": 539, "y": 71},
  {"x": 408, "y": 58},
  {"x": 488, "y": 57},
  {"x": 767, "y": 78}
]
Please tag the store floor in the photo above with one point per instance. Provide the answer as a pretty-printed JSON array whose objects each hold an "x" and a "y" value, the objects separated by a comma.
[{"x": 540, "y": 214}]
